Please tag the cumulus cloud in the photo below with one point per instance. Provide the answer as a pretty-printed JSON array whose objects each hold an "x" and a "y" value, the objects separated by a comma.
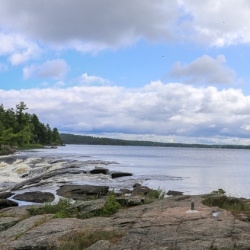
[
  {"x": 216, "y": 22},
  {"x": 97, "y": 25},
  {"x": 92, "y": 80},
  {"x": 161, "y": 109},
  {"x": 17, "y": 48},
  {"x": 105, "y": 23},
  {"x": 204, "y": 70},
  {"x": 55, "y": 69}
]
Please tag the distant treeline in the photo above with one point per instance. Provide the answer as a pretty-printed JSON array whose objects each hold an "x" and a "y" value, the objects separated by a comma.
[
  {"x": 90, "y": 140},
  {"x": 19, "y": 128}
]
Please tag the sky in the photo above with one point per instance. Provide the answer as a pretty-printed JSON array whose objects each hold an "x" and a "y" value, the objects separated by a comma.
[{"x": 162, "y": 70}]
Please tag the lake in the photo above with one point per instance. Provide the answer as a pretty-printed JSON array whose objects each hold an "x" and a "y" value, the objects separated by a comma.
[{"x": 190, "y": 170}]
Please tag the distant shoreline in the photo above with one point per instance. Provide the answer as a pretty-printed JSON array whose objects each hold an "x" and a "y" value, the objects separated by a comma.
[{"x": 90, "y": 140}]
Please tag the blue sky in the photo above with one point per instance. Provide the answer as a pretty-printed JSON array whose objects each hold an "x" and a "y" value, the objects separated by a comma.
[{"x": 170, "y": 71}]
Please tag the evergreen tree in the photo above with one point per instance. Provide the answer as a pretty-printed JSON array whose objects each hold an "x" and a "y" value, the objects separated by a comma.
[{"x": 21, "y": 128}]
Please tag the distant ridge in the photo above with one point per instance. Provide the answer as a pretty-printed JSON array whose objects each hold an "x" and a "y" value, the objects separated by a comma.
[{"x": 90, "y": 140}]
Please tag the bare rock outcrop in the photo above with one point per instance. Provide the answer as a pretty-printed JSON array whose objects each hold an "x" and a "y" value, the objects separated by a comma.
[
  {"x": 163, "y": 224},
  {"x": 38, "y": 197}
]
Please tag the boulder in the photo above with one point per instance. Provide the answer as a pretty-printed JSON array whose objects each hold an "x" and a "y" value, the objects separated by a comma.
[
  {"x": 140, "y": 190},
  {"x": 136, "y": 185},
  {"x": 87, "y": 206},
  {"x": 174, "y": 193},
  {"x": 82, "y": 192},
  {"x": 7, "y": 203},
  {"x": 130, "y": 201},
  {"x": 38, "y": 197},
  {"x": 5, "y": 195},
  {"x": 119, "y": 174},
  {"x": 99, "y": 171}
]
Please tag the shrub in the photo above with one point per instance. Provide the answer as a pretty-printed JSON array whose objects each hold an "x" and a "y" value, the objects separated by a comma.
[{"x": 156, "y": 194}]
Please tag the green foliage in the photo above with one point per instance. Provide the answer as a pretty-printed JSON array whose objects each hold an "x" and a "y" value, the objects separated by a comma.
[
  {"x": 60, "y": 209},
  {"x": 227, "y": 203},
  {"x": 156, "y": 194},
  {"x": 23, "y": 129},
  {"x": 85, "y": 238},
  {"x": 90, "y": 140},
  {"x": 111, "y": 205},
  {"x": 219, "y": 191}
]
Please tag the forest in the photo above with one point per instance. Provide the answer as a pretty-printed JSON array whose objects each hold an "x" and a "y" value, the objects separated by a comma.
[
  {"x": 21, "y": 129},
  {"x": 90, "y": 140}
]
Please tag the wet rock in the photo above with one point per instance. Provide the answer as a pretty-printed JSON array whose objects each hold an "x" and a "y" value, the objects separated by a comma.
[
  {"x": 140, "y": 190},
  {"x": 125, "y": 191},
  {"x": 120, "y": 174},
  {"x": 136, "y": 185},
  {"x": 45, "y": 176},
  {"x": 38, "y": 197},
  {"x": 99, "y": 171},
  {"x": 5, "y": 195},
  {"x": 82, "y": 192},
  {"x": 174, "y": 193},
  {"x": 7, "y": 203}
]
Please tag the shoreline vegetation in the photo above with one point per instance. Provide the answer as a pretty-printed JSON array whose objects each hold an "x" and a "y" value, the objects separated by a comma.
[
  {"x": 90, "y": 140},
  {"x": 21, "y": 130},
  {"x": 216, "y": 222}
]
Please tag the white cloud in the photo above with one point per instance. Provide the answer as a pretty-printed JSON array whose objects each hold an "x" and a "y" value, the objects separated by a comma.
[
  {"x": 246, "y": 126},
  {"x": 173, "y": 110},
  {"x": 55, "y": 69},
  {"x": 111, "y": 23},
  {"x": 204, "y": 70},
  {"x": 18, "y": 48},
  {"x": 97, "y": 25},
  {"x": 90, "y": 24},
  {"x": 92, "y": 80},
  {"x": 217, "y": 23}
]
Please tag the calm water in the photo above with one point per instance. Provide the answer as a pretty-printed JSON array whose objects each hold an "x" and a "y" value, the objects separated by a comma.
[{"x": 199, "y": 170}]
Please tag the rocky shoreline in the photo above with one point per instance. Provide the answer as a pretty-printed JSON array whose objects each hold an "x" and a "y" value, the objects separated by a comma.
[
  {"x": 163, "y": 224},
  {"x": 132, "y": 217}
]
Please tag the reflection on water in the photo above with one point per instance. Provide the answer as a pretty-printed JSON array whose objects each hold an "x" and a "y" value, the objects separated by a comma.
[{"x": 202, "y": 170}]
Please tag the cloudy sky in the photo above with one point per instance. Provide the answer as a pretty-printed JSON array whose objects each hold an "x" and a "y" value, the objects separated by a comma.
[{"x": 163, "y": 70}]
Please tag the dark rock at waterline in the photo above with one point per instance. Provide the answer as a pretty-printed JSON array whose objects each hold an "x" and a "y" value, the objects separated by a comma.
[
  {"x": 136, "y": 185},
  {"x": 99, "y": 171},
  {"x": 38, "y": 197},
  {"x": 5, "y": 195},
  {"x": 82, "y": 192},
  {"x": 7, "y": 203},
  {"x": 120, "y": 174},
  {"x": 174, "y": 193},
  {"x": 45, "y": 176},
  {"x": 141, "y": 190}
]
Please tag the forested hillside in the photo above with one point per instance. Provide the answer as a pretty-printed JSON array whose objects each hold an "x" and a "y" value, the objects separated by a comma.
[
  {"x": 19, "y": 128},
  {"x": 90, "y": 140}
]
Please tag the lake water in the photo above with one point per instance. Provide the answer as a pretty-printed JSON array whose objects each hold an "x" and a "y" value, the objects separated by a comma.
[{"x": 190, "y": 170}]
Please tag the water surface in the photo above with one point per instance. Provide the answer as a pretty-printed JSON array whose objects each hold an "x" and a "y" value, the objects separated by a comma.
[{"x": 190, "y": 170}]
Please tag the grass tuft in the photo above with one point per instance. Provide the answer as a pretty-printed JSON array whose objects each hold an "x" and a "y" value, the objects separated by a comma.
[{"x": 85, "y": 238}]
